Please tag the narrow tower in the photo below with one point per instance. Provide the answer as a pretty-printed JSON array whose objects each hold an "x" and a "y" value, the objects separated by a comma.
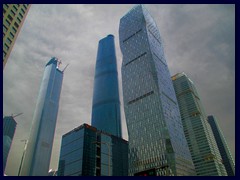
[
  {"x": 202, "y": 145},
  {"x": 106, "y": 104},
  {"x": 39, "y": 148},
  {"x": 156, "y": 139},
  {"x": 9, "y": 127},
  {"x": 222, "y": 146}
]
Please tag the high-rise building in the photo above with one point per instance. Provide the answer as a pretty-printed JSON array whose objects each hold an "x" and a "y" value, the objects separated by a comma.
[
  {"x": 106, "y": 113},
  {"x": 9, "y": 127},
  {"x": 86, "y": 151},
  {"x": 202, "y": 145},
  {"x": 39, "y": 147},
  {"x": 13, "y": 18},
  {"x": 155, "y": 131},
  {"x": 222, "y": 146}
]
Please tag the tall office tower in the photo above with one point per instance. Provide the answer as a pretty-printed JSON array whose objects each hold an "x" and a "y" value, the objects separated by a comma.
[
  {"x": 106, "y": 113},
  {"x": 202, "y": 145},
  {"x": 13, "y": 18},
  {"x": 222, "y": 146},
  {"x": 156, "y": 137},
  {"x": 39, "y": 147},
  {"x": 9, "y": 127},
  {"x": 86, "y": 151}
]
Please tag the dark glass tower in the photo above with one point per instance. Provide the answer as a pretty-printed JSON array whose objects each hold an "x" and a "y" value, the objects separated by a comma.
[
  {"x": 39, "y": 148},
  {"x": 106, "y": 104},
  {"x": 9, "y": 127},
  {"x": 222, "y": 146},
  {"x": 156, "y": 137},
  {"x": 86, "y": 151}
]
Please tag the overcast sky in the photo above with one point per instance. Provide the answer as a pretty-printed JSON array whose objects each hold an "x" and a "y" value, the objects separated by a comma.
[{"x": 198, "y": 39}]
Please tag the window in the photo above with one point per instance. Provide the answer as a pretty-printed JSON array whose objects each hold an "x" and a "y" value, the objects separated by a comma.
[
  {"x": 12, "y": 13},
  {"x": 10, "y": 18},
  {"x": 25, "y": 6},
  {"x": 18, "y": 20},
  {"x": 4, "y": 28},
  {"x": 20, "y": 15},
  {"x": 6, "y": 47},
  {"x": 14, "y": 8},
  {"x": 23, "y": 11},
  {"x": 4, "y": 54},
  {"x": 14, "y": 30},
  {"x": 5, "y": 6},
  {"x": 8, "y": 41},
  {"x": 16, "y": 25},
  {"x": 8, "y": 23},
  {"x": 11, "y": 35}
]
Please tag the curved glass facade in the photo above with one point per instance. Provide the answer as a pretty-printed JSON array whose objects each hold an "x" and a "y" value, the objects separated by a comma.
[
  {"x": 201, "y": 142},
  {"x": 39, "y": 148},
  {"x": 106, "y": 114},
  {"x": 156, "y": 137}
]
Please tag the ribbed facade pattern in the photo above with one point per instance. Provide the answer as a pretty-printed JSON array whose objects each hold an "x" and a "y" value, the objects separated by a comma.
[
  {"x": 13, "y": 18},
  {"x": 201, "y": 142}
]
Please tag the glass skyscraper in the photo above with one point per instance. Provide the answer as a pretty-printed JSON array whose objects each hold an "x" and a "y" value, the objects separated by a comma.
[
  {"x": 13, "y": 18},
  {"x": 106, "y": 113},
  {"x": 87, "y": 151},
  {"x": 9, "y": 127},
  {"x": 156, "y": 137},
  {"x": 39, "y": 147},
  {"x": 222, "y": 146},
  {"x": 202, "y": 145}
]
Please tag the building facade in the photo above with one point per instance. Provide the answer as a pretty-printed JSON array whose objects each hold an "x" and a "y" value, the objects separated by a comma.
[
  {"x": 13, "y": 18},
  {"x": 39, "y": 147},
  {"x": 202, "y": 145},
  {"x": 106, "y": 115},
  {"x": 222, "y": 146},
  {"x": 86, "y": 151},
  {"x": 156, "y": 137},
  {"x": 9, "y": 127}
]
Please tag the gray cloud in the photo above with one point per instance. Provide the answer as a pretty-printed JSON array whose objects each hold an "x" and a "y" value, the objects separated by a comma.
[{"x": 198, "y": 39}]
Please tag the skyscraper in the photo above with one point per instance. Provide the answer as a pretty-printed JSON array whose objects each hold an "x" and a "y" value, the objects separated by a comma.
[
  {"x": 13, "y": 18},
  {"x": 202, "y": 145},
  {"x": 38, "y": 152},
  {"x": 106, "y": 104},
  {"x": 9, "y": 127},
  {"x": 87, "y": 151},
  {"x": 156, "y": 137},
  {"x": 222, "y": 146}
]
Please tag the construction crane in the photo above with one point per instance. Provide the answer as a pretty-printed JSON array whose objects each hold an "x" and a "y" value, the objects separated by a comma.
[
  {"x": 65, "y": 67},
  {"x": 16, "y": 115}
]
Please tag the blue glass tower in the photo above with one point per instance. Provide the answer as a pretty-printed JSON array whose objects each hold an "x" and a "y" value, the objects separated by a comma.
[
  {"x": 106, "y": 104},
  {"x": 222, "y": 146},
  {"x": 156, "y": 138},
  {"x": 38, "y": 152},
  {"x": 9, "y": 127}
]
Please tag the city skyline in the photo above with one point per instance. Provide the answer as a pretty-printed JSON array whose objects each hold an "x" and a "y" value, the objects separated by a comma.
[{"x": 194, "y": 35}]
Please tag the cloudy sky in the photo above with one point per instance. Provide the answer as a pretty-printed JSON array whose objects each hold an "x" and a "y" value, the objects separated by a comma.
[{"x": 198, "y": 39}]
